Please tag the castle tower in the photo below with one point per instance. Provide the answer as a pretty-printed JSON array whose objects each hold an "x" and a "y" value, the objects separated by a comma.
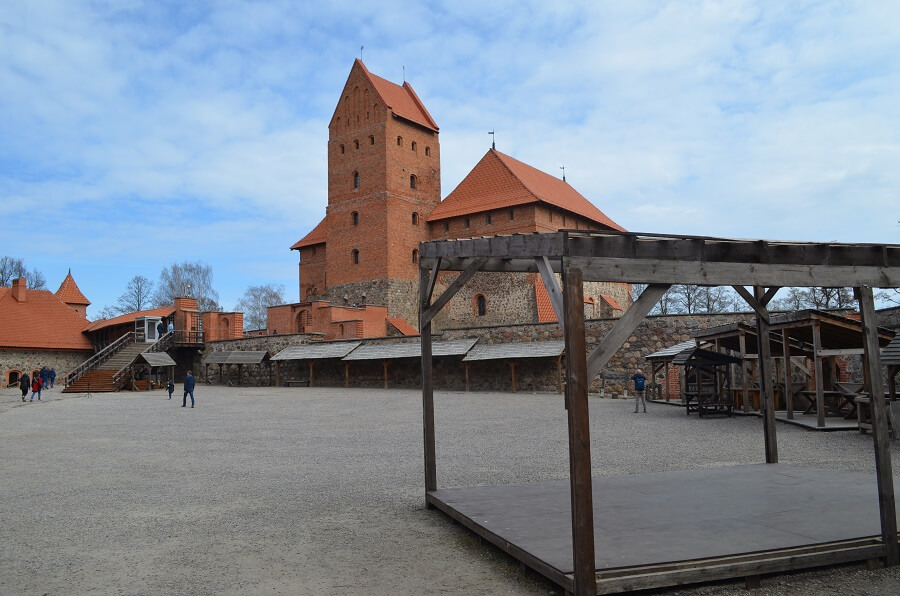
[{"x": 383, "y": 182}]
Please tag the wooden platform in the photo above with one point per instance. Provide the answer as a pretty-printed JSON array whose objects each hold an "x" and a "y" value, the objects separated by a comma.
[
  {"x": 810, "y": 421},
  {"x": 671, "y": 528}
]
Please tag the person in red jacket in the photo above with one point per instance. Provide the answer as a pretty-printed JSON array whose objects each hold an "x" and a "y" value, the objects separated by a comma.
[{"x": 36, "y": 385}]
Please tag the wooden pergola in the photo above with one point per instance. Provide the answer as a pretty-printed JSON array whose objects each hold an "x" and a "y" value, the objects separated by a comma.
[{"x": 756, "y": 269}]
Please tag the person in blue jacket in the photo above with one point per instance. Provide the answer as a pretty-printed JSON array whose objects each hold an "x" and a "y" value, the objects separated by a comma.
[
  {"x": 188, "y": 389},
  {"x": 639, "y": 381}
]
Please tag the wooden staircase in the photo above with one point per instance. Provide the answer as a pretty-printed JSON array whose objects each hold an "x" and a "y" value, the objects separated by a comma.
[{"x": 100, "y": 380}]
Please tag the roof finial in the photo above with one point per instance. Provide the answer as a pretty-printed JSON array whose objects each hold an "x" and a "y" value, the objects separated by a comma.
[
  {"x": 563, "y": 168},
  {"x": 493, "y": 138},
  {"x": 360, "y": 52},
  {"x": 404, "y": 73}
]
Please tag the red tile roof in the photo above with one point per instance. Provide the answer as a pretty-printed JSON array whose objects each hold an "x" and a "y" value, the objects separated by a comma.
[
  {"x": 402, "y": 326},
  {"x": 69, "y": 293},
  {"x": 402, "y": 100},
  {"x": 41, "y": 322},
  {"x": 164, "y": 311},
  {"x": 316, "y": 236},
  {"x": 545, "y": 311},
  {"x": 500, "y": 181},
  {"x": 611, "y": 301}
]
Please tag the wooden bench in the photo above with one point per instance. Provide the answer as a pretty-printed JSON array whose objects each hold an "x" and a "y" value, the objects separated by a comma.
[
  {"x": 297, "y": 383},
  {"x": 715, "y": 405}
]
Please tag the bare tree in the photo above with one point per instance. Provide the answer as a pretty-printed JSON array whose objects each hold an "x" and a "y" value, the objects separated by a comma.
[
  {"x": 256, "y": 302},
  {"x": 687, "y": 298},
  {"x": 665, "y": 305},
  {"x": 13, "y": 268},
  {"x": 137, "y": 296},
  {"x": 815, "y": 298},
  {"x": 890, "y": 296},
  {"x": 187, "y": 279}
]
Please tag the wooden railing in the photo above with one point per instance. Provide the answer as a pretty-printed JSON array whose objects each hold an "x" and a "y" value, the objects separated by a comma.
[{"x": 98, "y": 358}]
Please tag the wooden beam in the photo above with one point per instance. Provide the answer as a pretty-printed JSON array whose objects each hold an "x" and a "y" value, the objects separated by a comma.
[
  {"x": 512, "y": 372},
  {"x": 623, "y": 327},
  {"x": 745, "y": 372},
  {"x": 883, "y": 472},
  {"x": 385, "y": 364},
  {"x": 767, "y": 392},
  {"x": 431, "y": 311},
  {"x": 752, "y": 302},
  {"x": 556, "y": 299},
  {"x": 820, "y": 377},
  {"x": 312, "y": 366},
  {"x": 559, "y": 383},
  {"x": 278, "y": 373},
  {"x": 466, "y": 364},
  {"x": 346, "y": 374},
  {"x": 427, "y": 388},
  {"x": 432, "y": 280},
  {"x": 788, "y": 390},
  {"x": 579, "y": 437}
]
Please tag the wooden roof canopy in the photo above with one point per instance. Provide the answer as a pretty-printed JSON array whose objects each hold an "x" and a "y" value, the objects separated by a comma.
[{"x": 660, "y": 261}]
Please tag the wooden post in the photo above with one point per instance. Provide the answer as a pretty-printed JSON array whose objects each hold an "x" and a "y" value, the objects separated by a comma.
[
  {"x": 579, "y": 437},
  {"x": 466, "y": 364},
  {"x": 385, "y": 364},
  {"x": 883, "y": 471},
  {"x": 765, "y": 381},
  {"x": 820, "y": 377},
  {"x": 427, "y": 385},
  {"x": 312, "y": 366},
  {"x": 240, "y": 374},
  {"x": 559, "y": 385},
  {"x": 788, "y": 390},
  {"x": 346, "y": 374},
  {"x": 512, "y": 372},
  {"x": 278, "y": 373},
  {"x": 666, "y": 382},
  {"x": 222, "y": 378}
]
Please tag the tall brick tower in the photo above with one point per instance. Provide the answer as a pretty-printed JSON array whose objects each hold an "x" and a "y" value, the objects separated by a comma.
[{"x": 384, "y": 179}]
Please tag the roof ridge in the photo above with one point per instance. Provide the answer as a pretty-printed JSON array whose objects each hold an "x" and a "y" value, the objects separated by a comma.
[{"x": 415, "y": 97}]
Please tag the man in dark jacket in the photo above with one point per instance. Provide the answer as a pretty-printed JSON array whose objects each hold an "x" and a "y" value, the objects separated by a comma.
[
  {"x": 188, "y": 389},
  {"x": 24, "y": 385}
]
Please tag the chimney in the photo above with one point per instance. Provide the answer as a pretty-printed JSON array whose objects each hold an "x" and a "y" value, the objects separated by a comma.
[{"x": 18, "y": 289}]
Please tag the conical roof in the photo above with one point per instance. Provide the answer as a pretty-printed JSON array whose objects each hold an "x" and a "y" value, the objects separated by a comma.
[{"x": 69, "y": 293}]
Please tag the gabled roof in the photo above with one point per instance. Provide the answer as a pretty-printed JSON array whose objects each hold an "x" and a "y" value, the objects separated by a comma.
[
  {"x": 402, "y": 326},
  {"x": 164, "y": 311},
  {"x": 402, "y": 100},
  {"x": 500, "y": 181},
  {"x": 316, "y": 236},
  {"x": 69, "y": 293},
  {"x": 41, "y": 322}
]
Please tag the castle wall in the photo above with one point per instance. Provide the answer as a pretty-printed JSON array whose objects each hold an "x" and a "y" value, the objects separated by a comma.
[{"x": 30, "y": 360}]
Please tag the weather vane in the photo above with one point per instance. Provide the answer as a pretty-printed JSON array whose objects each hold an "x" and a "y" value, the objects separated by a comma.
[
  {"x": 360, "y": 51},
  {"x": 563, "y": 168},
  {"x": 493, "y": 138}
]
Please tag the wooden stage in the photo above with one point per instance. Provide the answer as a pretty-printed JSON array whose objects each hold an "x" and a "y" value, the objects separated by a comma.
[
  {"x": 672, "y": 528},
  {"x": 810, "y": 421}
]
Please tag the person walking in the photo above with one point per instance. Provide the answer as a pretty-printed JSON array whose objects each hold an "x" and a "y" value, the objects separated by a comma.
[
  {"x": 45, "y": 376},
  {"x": 188, "y": 389},
  {"x": 170, "y": 385},
  {"x": 36, "y": 387},
  {"x": 639, "y": 381},
  {"x": 52, "y": 377},
  {"x": 160, "y": 329},
  {"x": 24, "y": 384}
]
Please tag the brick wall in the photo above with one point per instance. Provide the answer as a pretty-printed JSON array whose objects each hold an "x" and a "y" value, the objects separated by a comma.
[
  {"x": 313, "y": 279},
  {"x": 222, "y": 325}
]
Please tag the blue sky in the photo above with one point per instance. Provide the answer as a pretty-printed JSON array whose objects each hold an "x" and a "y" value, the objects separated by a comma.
[{"x": 136, "y": 134}]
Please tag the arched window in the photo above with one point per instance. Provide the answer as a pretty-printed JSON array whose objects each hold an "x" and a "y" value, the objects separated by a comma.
[
  {"x": 415, "y": 218},
  {"x": 355, "y": 179},
  {"x": 466, "y": 223},
  {"x": 341, "y": 330},
  {"x": 355, "y": 217},
  {"x": 415, "y": 255},
  {"x": 413, "y": 181},
  {"x": 342, "y": 149},
  {"x": 354, "y": 256},
  {"x": 413, "y": 145},
  {"x": 488, "y": 219},
  {"x": 399, "y": 141},
  {"x": 512, "y": 213},
  {"x": 371, "y": 139},
  {"x": 480, "y": 305},
  {"x": 427, "y": 151},
  {"x": 356, "y": 144}
]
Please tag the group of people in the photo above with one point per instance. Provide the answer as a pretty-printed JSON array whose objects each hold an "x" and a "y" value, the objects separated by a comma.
[
  {"x": 45, "y": 378},
  {"x": 188, "y": 389},
  {"x": 161, "y": 328}
]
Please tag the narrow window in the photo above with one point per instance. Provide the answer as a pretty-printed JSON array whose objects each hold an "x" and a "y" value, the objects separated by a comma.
[
  {"x": 415, "y": 219},
  {"x": 488, "y": 219},
  {"x": 415, "y": 255},
  {"x": 371, "y": 139},
  {"x": 551, "y": 215},
  {"x": 466, "y": 223},
  {"x": 355, "y": 179},
  {"x": 341, "y": 330},
  {"x": 356, "y": 144},
  {"x": 413, "y": 145},
  {"x": 354, "y": 255},
  {"x": 427, "y": 151},
  {"x": 512, "y": 213},
  {"x": 481, "y": 305},
  {"x": 412, "y": 181},
  {"x": 342, "y": 149},
  {"x": 446, "y": 226},
  {"x": 355, "y": 217},
  {"x": 399, "y": 141}
]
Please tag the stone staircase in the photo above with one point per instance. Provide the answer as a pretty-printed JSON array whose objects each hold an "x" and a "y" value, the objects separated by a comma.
[{"x": 100, "y": 380}]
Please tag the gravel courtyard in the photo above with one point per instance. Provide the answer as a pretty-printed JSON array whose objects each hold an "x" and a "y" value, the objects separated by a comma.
[{"x": 320, "y": 491}]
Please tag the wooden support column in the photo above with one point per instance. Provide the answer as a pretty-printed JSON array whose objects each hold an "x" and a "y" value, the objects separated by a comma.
[
  {"x": 346, "y": 374},
  {"x": 559, "y": 383},
  {"x": 425, "y": 290},
  {"x": 788, "y": 390},
  {"x": 312, "y": 366},
  {"x": 240, "y": 374},
  {"x": 466, "y": 365},
  {"x": 765, "y": 379},
  {"x": 222, "y": 378},
  {"x": 512, "y": 373},
  {"x": 820, "y": 377},
  {"x": 278, "y": 373},
  {"x": 883, "y": 472},
  {"x": 385, "y": 364},
  {"x": 666, "y": 381},
  {"x": 579, "y": 437}
]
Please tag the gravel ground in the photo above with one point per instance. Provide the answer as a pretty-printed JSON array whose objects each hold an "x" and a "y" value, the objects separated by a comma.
[{"x": 320, "y": 491}]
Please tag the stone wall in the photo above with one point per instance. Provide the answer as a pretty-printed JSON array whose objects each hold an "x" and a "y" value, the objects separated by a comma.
[
  {"x": 889, "y": 317},
  {"x": 30, "y": 360}
]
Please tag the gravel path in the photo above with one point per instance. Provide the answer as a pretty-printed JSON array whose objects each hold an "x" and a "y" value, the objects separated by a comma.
[{"x": 320, "y": 491}]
